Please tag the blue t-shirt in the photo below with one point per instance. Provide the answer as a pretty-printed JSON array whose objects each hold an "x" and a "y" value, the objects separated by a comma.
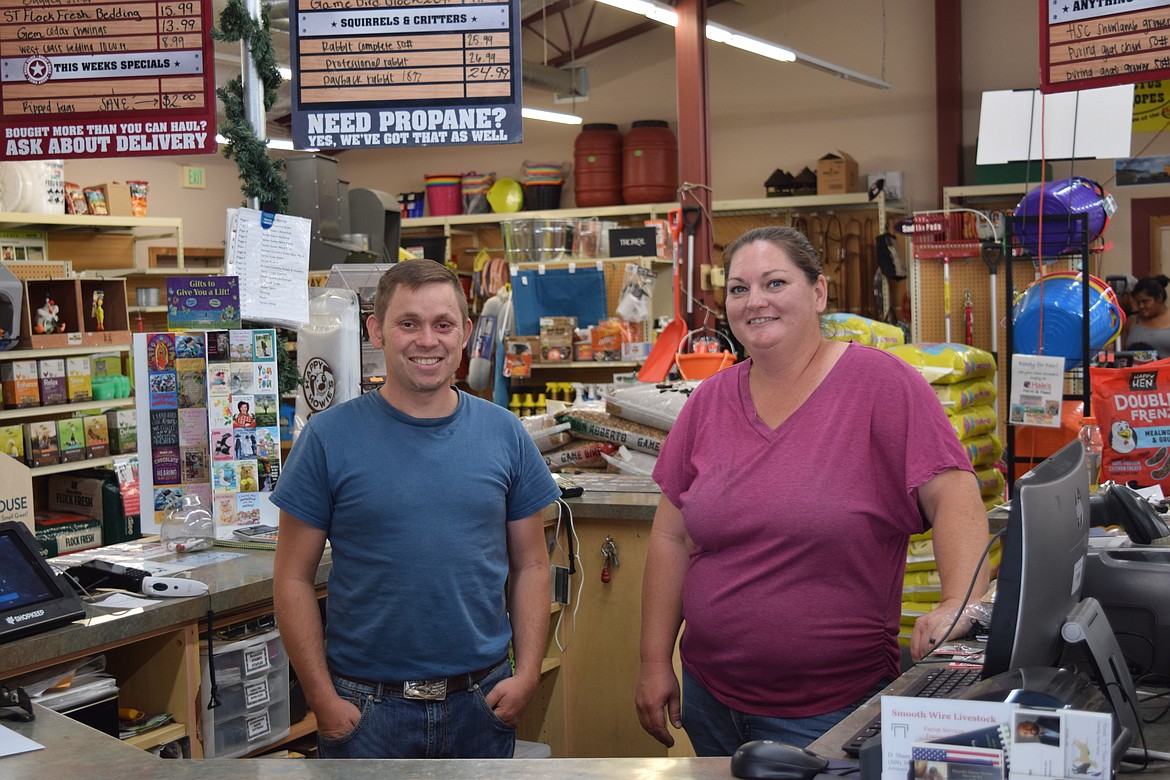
[{"x": 415, "y": 510}]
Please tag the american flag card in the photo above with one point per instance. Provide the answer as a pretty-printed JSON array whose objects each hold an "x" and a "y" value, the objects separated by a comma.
[{"x": 930, "y": 761}]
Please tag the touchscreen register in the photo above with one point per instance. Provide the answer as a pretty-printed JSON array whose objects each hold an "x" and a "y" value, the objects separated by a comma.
[{"x": 32, "y": 598}]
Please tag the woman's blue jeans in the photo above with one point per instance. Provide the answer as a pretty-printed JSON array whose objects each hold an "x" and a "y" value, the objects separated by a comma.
[
  {"x": 460, "y": 726},
  {"x": 717, "y": 730}
]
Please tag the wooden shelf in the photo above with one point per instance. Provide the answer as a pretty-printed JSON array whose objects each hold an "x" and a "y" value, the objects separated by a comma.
[
  {"x": 32, "y": 354},
  {"x": 89, "y": 463},
  {"x": 77, "y": 406},
  {"x": 585, "y": 364},
  {"x": 155, "y": 737},
  {"x": 146, "y": 309},
  {"x": 548, "y": 664}
]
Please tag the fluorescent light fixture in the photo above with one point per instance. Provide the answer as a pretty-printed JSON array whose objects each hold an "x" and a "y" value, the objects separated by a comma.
[
  {"x": 721, "y": 34},
  {"x": 665, "y": 14},
  {"x": 550, "y": 116}
]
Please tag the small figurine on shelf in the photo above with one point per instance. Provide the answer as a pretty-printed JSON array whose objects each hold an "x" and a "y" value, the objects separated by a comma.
[
  {"x": 98, "y": 312},
  {"x": 48, "y": 319}
]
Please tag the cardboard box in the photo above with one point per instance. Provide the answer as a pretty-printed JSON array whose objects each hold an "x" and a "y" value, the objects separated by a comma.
[
  {"x": 97, "y": 436},
  {"x": 16, "y": 501},
  {"x": 521, "y": 351},
  {"x": 836, "y": 174},
  {"x": 78, "y": 382},
  {"x": 69, "y": 493},
  {"x": 21, "y": 388},
  {"x": 40, "y": 443},
  {"x": 71, "y": 439},
  {"x": 117, "y": 198},
  {"x": 122, "y": 425},
  {"x": 51, "y": 379},
  {"x": 66, "y": 532},
  {"x": 556, "y": 338},
  {"x": 12, "y": 441}
]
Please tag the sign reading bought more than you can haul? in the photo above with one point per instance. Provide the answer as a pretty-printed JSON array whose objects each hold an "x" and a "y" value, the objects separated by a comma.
[
  {"x": 398, "y": 73},
  {"x": 103, "y": 78}
]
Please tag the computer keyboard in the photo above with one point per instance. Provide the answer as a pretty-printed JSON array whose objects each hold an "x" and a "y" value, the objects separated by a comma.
[{"x": 941, "y": 683}]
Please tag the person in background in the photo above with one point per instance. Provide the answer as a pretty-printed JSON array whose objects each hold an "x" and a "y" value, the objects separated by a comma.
[
  {"x": 1150, "y": 328},
  {"x": 791, "y": 483},
  {"x": 431, "y": 500}
]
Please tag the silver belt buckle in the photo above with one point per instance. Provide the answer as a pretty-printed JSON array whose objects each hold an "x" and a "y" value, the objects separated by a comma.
[{"x": 425, "y": 690}]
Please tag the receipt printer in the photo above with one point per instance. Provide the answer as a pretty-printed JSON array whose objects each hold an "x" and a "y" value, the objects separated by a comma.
[{"x": 1133, "y": 586}]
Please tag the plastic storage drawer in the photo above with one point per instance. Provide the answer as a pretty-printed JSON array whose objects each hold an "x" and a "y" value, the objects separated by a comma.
[
  {"x": 250, "y": 731},
  {"x": 250, "y": 695},
  {"x": 248, "y": 658}
]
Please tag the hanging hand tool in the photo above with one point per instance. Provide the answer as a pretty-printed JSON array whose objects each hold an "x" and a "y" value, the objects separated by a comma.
[
  {"x": 610, "y": 554},
  {"x": 691, "y": 216},
  {"x": 968, "y": 319}
]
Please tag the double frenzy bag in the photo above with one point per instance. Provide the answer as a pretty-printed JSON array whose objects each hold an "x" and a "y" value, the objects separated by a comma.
[{"x": 1132, "y": 407}]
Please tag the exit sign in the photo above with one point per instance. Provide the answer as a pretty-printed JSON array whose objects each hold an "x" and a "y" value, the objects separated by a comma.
[{"x": 193, "y": 178}]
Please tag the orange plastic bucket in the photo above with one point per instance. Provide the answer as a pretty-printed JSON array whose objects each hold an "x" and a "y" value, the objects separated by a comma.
[{"x": 700, "y": 365}]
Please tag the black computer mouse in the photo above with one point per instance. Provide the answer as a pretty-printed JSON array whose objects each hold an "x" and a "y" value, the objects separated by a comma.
[{"x": 763, "y": 759}]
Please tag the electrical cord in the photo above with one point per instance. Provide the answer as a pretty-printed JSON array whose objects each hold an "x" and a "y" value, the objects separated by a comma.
[
  {"x": 565, "y": 513},
  {"x": 966, "y": 598}
]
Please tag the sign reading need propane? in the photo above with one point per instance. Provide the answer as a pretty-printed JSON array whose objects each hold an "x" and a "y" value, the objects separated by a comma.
[{"x": 391, "y": 73}]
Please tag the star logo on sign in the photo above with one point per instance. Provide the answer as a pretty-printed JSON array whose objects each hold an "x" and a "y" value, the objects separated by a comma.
[{"x": 38, "y": 70}]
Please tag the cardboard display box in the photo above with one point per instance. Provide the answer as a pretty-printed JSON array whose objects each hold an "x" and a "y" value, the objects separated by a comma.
[
  {"x": 51, "y": 376},
  {"x": 836, "y": 174},
  {"x": 19, "y": 379},
  {"x": 122, "y": 425},
  {"x": 78, "y": 381},
  {"x": 71, "y": 439},
  {"x": 16, "y": 501},
  {"x": 94, "y": 493},
  {"x": 117, "y": 197},
  {"x": 12, "y": 441},
  {"x": 65, "y": 532},
  {"x": 556, "y": 338},
  {"x": 40, "y": 443}
]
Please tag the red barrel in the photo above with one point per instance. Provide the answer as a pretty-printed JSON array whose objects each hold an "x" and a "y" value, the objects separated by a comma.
[
  {"x": 597, "y": 166},
  {"x": 649, "y": 163}
]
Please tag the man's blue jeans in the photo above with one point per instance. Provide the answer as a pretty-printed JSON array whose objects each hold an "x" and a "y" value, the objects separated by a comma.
[
  {"x": 717, "y": 730},
  {"x": 461, "y": 726}
]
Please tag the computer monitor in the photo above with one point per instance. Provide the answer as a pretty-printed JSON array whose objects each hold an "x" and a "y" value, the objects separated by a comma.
[
  {"x": 1042, "y": 568},
  {"x": 32, "y": 598},
  {"x": 1040, "y": 619}
]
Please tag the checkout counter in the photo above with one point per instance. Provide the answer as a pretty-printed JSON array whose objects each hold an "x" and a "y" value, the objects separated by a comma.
[{"x": 573, "y": 713}]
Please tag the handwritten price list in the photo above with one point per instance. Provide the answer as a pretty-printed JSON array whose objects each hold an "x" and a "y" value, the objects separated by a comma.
[
  {"x": 1086, "y": 47},
  {"x": 381, "y": 52},
  {"x": 72, "y": 70}
]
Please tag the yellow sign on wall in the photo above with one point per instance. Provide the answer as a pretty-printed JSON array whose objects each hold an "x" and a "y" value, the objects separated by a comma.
[{"x": 1151, "y": 106}]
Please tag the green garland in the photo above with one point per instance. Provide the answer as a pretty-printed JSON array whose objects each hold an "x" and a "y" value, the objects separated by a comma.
[{"x": 262, "y": 176}]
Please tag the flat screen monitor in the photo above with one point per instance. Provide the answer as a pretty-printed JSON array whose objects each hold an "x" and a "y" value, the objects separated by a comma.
[
  {"x": 1042, "y": 569},
  {"x": 32, "y": 597}
]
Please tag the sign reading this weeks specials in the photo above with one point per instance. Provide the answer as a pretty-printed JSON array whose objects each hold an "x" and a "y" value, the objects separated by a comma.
[
  {"x": 1086, "y": 44},
  {"x": 397, "y": 73},
  {"x": 106, "y": 78}
]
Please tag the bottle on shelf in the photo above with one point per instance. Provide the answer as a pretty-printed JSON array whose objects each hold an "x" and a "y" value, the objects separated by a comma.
[
  {"x": 1090, "y": 436},
  {"x": 529, "y": 406},
  {"x": 514, "y": 405},
  {"x": 541, "y": 404}
]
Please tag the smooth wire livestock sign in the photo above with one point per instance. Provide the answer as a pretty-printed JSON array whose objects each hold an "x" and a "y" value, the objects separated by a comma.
[
  {"x": 1087, "y": 44},
  {"x": 88, "y": 78},
  {"x": 398, "y": 73}
]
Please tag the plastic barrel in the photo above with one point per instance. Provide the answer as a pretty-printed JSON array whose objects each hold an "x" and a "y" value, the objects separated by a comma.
[
  {"x": 444, "y": 194},
  {"x": 1054, "y": 203},
  {"x": 649, "y": 163},
  {"x": 1057, "y": 301},
  {"x": 597, "y": 166}
]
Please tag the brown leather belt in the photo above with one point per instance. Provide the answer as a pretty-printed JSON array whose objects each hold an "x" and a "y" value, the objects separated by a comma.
[{"x": 428, "y": 690}]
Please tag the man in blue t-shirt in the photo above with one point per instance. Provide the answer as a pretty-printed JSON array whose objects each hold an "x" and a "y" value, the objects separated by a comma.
[{"x": 430, "y": 499}]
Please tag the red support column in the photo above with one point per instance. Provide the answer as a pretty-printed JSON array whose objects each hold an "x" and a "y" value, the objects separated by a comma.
[
  {"x": 948, "y": 87},
  {"x": 690, "y": 44}
]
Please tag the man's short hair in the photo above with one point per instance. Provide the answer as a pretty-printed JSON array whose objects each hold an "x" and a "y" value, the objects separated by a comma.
[{"x": 414, "y": 274}]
